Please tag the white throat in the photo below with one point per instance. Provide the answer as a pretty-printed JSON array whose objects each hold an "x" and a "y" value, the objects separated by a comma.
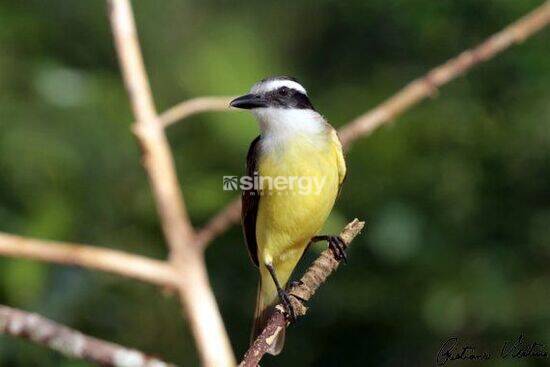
[{"x": 279, "y": 125}]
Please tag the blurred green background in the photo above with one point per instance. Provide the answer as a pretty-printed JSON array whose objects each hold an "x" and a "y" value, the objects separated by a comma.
[{"x": 456, "y": 193}]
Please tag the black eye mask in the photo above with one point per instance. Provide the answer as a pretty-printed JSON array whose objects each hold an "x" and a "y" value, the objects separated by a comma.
[{"x": 285, "y": 97}]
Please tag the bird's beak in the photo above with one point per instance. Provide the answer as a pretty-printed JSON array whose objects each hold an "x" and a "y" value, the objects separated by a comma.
[{"x": 249, "y": 101}]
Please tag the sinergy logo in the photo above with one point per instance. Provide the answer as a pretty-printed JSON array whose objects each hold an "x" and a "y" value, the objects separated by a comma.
[{"x": 276, "y": 185}]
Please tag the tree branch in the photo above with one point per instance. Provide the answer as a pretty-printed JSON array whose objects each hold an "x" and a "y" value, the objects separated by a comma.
[
  {"x": 314, "y": 277},
  {"x": 219, "y": 223},
  {"x": 157, "y": 159},
  {"x": 411, "y": 95},
  {"x": 71, "y": 343},
  {"x": 103, "y": 259},
  {"x": 193, "y": 106},
  {"x": 199, "y": 304},
  {"x": 427, "y": 85}
]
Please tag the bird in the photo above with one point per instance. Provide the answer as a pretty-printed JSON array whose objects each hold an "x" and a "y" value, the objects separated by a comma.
[{"x": 281, "y": 221}]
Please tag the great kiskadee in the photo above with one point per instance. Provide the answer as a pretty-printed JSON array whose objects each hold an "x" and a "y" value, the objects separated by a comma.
[{"x": 296, "y": 145}]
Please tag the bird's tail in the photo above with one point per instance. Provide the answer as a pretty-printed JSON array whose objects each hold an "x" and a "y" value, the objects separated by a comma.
[{"x": 266, "y": 301}]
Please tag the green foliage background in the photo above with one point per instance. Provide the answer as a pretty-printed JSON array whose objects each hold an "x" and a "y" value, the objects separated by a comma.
[{"x": 455, "y": 193}]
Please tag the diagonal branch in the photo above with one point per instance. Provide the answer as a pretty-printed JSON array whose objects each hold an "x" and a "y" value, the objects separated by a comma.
[
  {"x": 103, "y": 259},
  {"x": 426, "y": 86},
  {"x": 314, "y": 277},
  {"x": 411, "y": 95},
  {"x": 219, "y": 223},
  {"x": 199, "y": 304},
  {"x": 71, "y": 343}
]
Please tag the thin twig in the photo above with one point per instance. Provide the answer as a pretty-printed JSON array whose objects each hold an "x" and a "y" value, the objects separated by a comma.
[
  {"x": 91, "y": 257},
  {"x": 71, "y": 343},
  {"x": 193, "y": 106},
  {"x": 230, "y": 215},
  {"x": 314, "y": 277},
  {"x": 199, "y": 303},
  {"x": 415, "y": 92}
]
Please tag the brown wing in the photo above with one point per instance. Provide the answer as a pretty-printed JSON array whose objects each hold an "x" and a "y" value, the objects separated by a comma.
[{"x": 250, "y": 202}]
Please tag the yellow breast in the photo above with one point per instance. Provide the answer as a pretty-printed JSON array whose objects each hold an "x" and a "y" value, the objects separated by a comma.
[{"x": 300, "y": 183}]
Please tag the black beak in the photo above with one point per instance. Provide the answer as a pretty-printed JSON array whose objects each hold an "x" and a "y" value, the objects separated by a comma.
[{"x": 249, "y": 101}]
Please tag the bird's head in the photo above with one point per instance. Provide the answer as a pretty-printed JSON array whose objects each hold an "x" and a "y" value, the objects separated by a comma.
[
  {"x": 282, "y": 107},
  {"x": 280, "y": 92}
]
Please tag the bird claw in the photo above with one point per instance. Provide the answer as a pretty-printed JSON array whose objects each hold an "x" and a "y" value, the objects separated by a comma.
[
  {"x": 284, "y": 296},
  {"x": 338, "y": 247}
]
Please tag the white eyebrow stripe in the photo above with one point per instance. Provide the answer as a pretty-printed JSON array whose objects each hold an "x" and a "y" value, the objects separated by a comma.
[{"x": 276, "y": 84}]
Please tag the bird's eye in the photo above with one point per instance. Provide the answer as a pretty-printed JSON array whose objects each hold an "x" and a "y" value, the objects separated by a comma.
[{"x": 283, "y": 91}]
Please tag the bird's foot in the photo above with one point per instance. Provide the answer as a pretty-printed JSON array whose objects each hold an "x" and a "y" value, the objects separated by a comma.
[
  {"x": 338, "y": 248},
  {"x": 336, "y": 244},
  {"x": 284, "y": 296}
]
